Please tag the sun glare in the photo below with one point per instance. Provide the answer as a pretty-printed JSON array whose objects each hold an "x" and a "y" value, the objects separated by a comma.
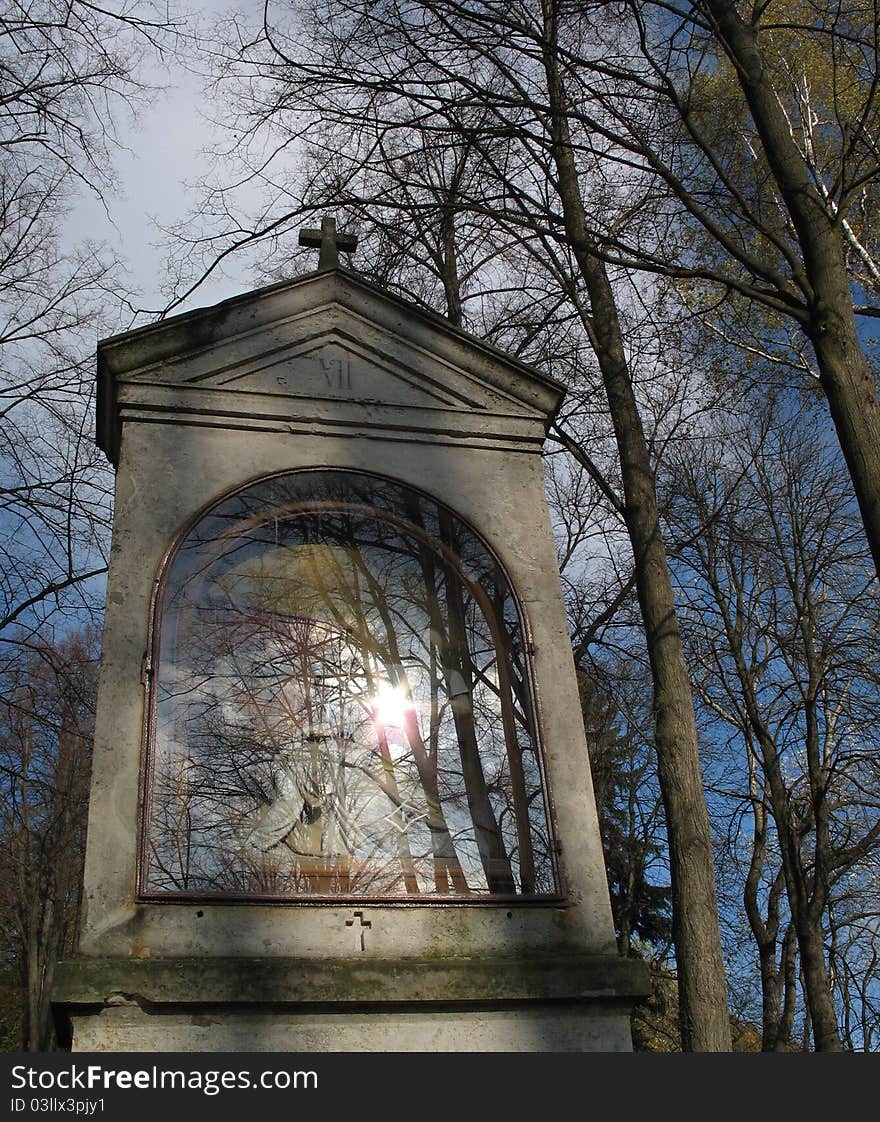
[{"x": 390, "y": 705}]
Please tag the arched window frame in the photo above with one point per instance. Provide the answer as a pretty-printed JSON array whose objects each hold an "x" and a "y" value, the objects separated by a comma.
[{"x": 150, "y": 682}]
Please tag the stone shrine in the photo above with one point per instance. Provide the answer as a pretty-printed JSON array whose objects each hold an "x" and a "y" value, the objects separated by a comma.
[{"x": 341, "y": 796}]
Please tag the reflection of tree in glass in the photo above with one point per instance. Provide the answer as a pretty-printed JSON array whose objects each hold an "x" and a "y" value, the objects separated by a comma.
[{"x": 277, "y": 768}]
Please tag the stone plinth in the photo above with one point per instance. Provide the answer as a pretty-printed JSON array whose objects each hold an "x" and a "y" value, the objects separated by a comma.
[{"x": 555, "y": 1004}]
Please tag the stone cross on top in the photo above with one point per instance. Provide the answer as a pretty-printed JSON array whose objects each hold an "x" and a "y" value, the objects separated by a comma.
[{"x": 329, "y": 242}]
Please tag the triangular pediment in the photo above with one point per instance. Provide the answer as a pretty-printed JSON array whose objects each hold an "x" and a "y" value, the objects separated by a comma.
[
  {"x": 334, "y": 367},
  {"x": 329, "y": 346}
]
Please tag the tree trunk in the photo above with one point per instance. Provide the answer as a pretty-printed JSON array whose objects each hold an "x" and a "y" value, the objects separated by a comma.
[
  {"x": 789, "y": 974},
  {"x": 703, "y": 1010},
  {"x": 817, "y": 984},
  {"x": 765, "y": 933},
  {"x": 844, "y": 374},
  {"x": 851, "y": 391},
  {"x": 771, "y": 995}
]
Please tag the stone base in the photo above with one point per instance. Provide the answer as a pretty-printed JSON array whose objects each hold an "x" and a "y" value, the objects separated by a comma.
[
  {"x": 547, "y": 1004},
  {"x": 542, "y": 1028}
]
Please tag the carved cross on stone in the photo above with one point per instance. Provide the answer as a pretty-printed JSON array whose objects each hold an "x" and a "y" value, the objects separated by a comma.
[
  {"x": 359, "y": 932},
  {"x": 328, "y": 242}
]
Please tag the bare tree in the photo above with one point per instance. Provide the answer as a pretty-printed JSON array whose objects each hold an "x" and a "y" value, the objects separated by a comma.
[
  {"x": 752, "y": 132},
  {"x": 67, "y": 70},
  {"x": 854, "y": 955},
  {"x": 818, "y": 195},
  {"x": 46, "y": 719},
  {"x": 783, "y": 627},
  {"x": 630, "y": 812}
]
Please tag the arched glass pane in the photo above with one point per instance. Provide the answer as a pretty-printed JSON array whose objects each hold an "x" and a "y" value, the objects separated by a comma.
[{"x": 341, "y": 704}]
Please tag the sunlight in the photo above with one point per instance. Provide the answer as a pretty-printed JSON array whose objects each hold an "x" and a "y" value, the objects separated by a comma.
[{"x": 390, "y": 705}]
